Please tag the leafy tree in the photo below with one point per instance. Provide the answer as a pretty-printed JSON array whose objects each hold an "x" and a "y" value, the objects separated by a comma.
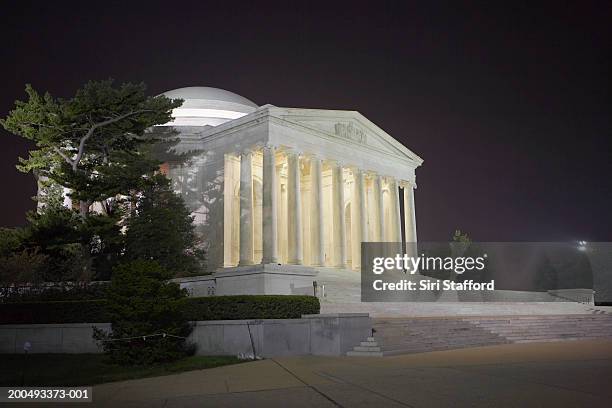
[
  {"x": 91, "y": 142},
  {"x": 10, "y": 240},
  {"x": 59, "y": 233},
  {"x": 25, "y": 266},
  {"x": 458, "y": 236},
  {"x": 95, "y": 144},
  {"x": 161, "y": 229},
  {"x": 143, "y": 302}
]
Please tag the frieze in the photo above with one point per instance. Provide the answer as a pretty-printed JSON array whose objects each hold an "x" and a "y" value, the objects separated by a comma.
[{"x": 349, "y": 131}]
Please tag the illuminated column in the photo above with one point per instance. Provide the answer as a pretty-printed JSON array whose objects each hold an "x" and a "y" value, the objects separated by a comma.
[
  {"x": 316, "y": 218},
  {"x": 359, "y": 216},
  {"x": 338, "y": 215},
  {"x": 397, "y": 219},
  {"x": 362, "y": 206},
  {"x": 270, "y": 222},
  {"x": 246, "y": 208},
  {"x": 409, "y": 213},
  {"x": 294, "y": 204},
  {"x": 380, "y": 210}
]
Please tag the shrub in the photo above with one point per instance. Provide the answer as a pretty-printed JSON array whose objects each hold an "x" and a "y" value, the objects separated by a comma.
[{"x": 141, "y": 301}]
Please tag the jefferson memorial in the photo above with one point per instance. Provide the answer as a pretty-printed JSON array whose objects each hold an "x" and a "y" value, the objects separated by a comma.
[{"x": 284, "y": 196}]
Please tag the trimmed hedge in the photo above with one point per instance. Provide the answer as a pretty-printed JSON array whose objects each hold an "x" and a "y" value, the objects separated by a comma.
[
  {"x": 70, "y": 311},
  {"x": 204, "y": 308},
  {"x": 51, "y": 293},
  {"x": 251, "y": 307}
]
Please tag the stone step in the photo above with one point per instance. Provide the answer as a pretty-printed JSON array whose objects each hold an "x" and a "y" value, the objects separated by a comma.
[
  {"x": 369, "y": 343},
  {"x": 412, "y": 350},
  {"x": 552, "y": 340},
  {"x": 412, "y": 336},
  {"x": 364, "y": 353},
  {"x": 590, "y": 317},
  {"x": 541, "y": 328},
  {"x": 491, "y": 335},
  {"x": 473, "y": 339},
  {"x": 366, "y": 348},
  {"x": 607, "y": 323},
  {"x": 459, "y": 330},
  {"x": 446, "y": 339},
  {"x": 555, "y": 336},
  {"x": 547, "y": 327},
  {"x": 387, "y": 346},
  {"x": 550, "y": 331},
  {"x": 497, "y": 317}
]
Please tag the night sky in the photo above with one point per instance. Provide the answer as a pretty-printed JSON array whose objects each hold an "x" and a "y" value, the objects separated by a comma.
[{"x": 509, "y": 107}]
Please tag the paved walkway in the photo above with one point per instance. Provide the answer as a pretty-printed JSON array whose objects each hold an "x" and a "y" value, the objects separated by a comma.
[{"x": 564, "y": 374}]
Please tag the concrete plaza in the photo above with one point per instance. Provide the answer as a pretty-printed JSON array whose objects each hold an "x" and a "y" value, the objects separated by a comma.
[{"x": 563, "y": 374}]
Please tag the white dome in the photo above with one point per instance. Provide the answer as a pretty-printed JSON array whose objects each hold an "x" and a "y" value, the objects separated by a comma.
[{"x": 206, "y": 106}]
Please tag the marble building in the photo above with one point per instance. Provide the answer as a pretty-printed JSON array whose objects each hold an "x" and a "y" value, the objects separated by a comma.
[{"x": 280, "y": 193}]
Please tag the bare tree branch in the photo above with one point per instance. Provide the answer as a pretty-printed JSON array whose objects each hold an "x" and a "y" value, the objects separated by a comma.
[
  {"x": 91, "y": 131},
  {"x": 66, "y": 158}
]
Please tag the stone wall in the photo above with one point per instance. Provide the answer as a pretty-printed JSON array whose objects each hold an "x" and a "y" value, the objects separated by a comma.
[
  {"x": 50, "y": 338},
  {"x": 333, "y": 334}
]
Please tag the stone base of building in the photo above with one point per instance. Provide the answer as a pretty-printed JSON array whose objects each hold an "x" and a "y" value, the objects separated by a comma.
[
  {"x": 265, "y": 279},
  {"x": 261, "y": 279}
]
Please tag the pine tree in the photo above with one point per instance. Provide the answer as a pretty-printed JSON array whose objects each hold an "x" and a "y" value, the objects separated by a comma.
[
  {"x": 161, "y": 229},
  {"x": 91, "y": 143}
]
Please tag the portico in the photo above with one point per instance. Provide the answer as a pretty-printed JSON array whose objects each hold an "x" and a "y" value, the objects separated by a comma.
[
  {"x": 302, "y": 208},
  {"x": 278, "y": 194}
]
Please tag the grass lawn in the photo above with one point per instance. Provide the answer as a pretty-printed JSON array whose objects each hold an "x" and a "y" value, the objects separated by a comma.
[{"x": 89, "y": 369}]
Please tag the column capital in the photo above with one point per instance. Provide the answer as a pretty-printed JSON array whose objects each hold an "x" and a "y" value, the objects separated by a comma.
[
  {"x": 370, "y": 173},
  {"x": 294, "y": 152},
  {"x": 359, "y": 171},
  {"x": 336, "y": 162},
  {"x": 246, "y": 151},
  {"x": 269, "y": 146},
  {"x": 408, "y": 184},
  {"x": 314, "y": 156},
  {"x": 382, "y": 177}
]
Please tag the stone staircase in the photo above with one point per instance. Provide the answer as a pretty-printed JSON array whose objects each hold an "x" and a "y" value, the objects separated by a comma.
[
  {"x": 526, "y": 329},
  {"x": 394, "y": 336},
  {"x": 368, "y": 348}
]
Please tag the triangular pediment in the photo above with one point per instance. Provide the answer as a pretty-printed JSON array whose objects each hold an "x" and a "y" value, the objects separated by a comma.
[{"x": 346, "y": 126}]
